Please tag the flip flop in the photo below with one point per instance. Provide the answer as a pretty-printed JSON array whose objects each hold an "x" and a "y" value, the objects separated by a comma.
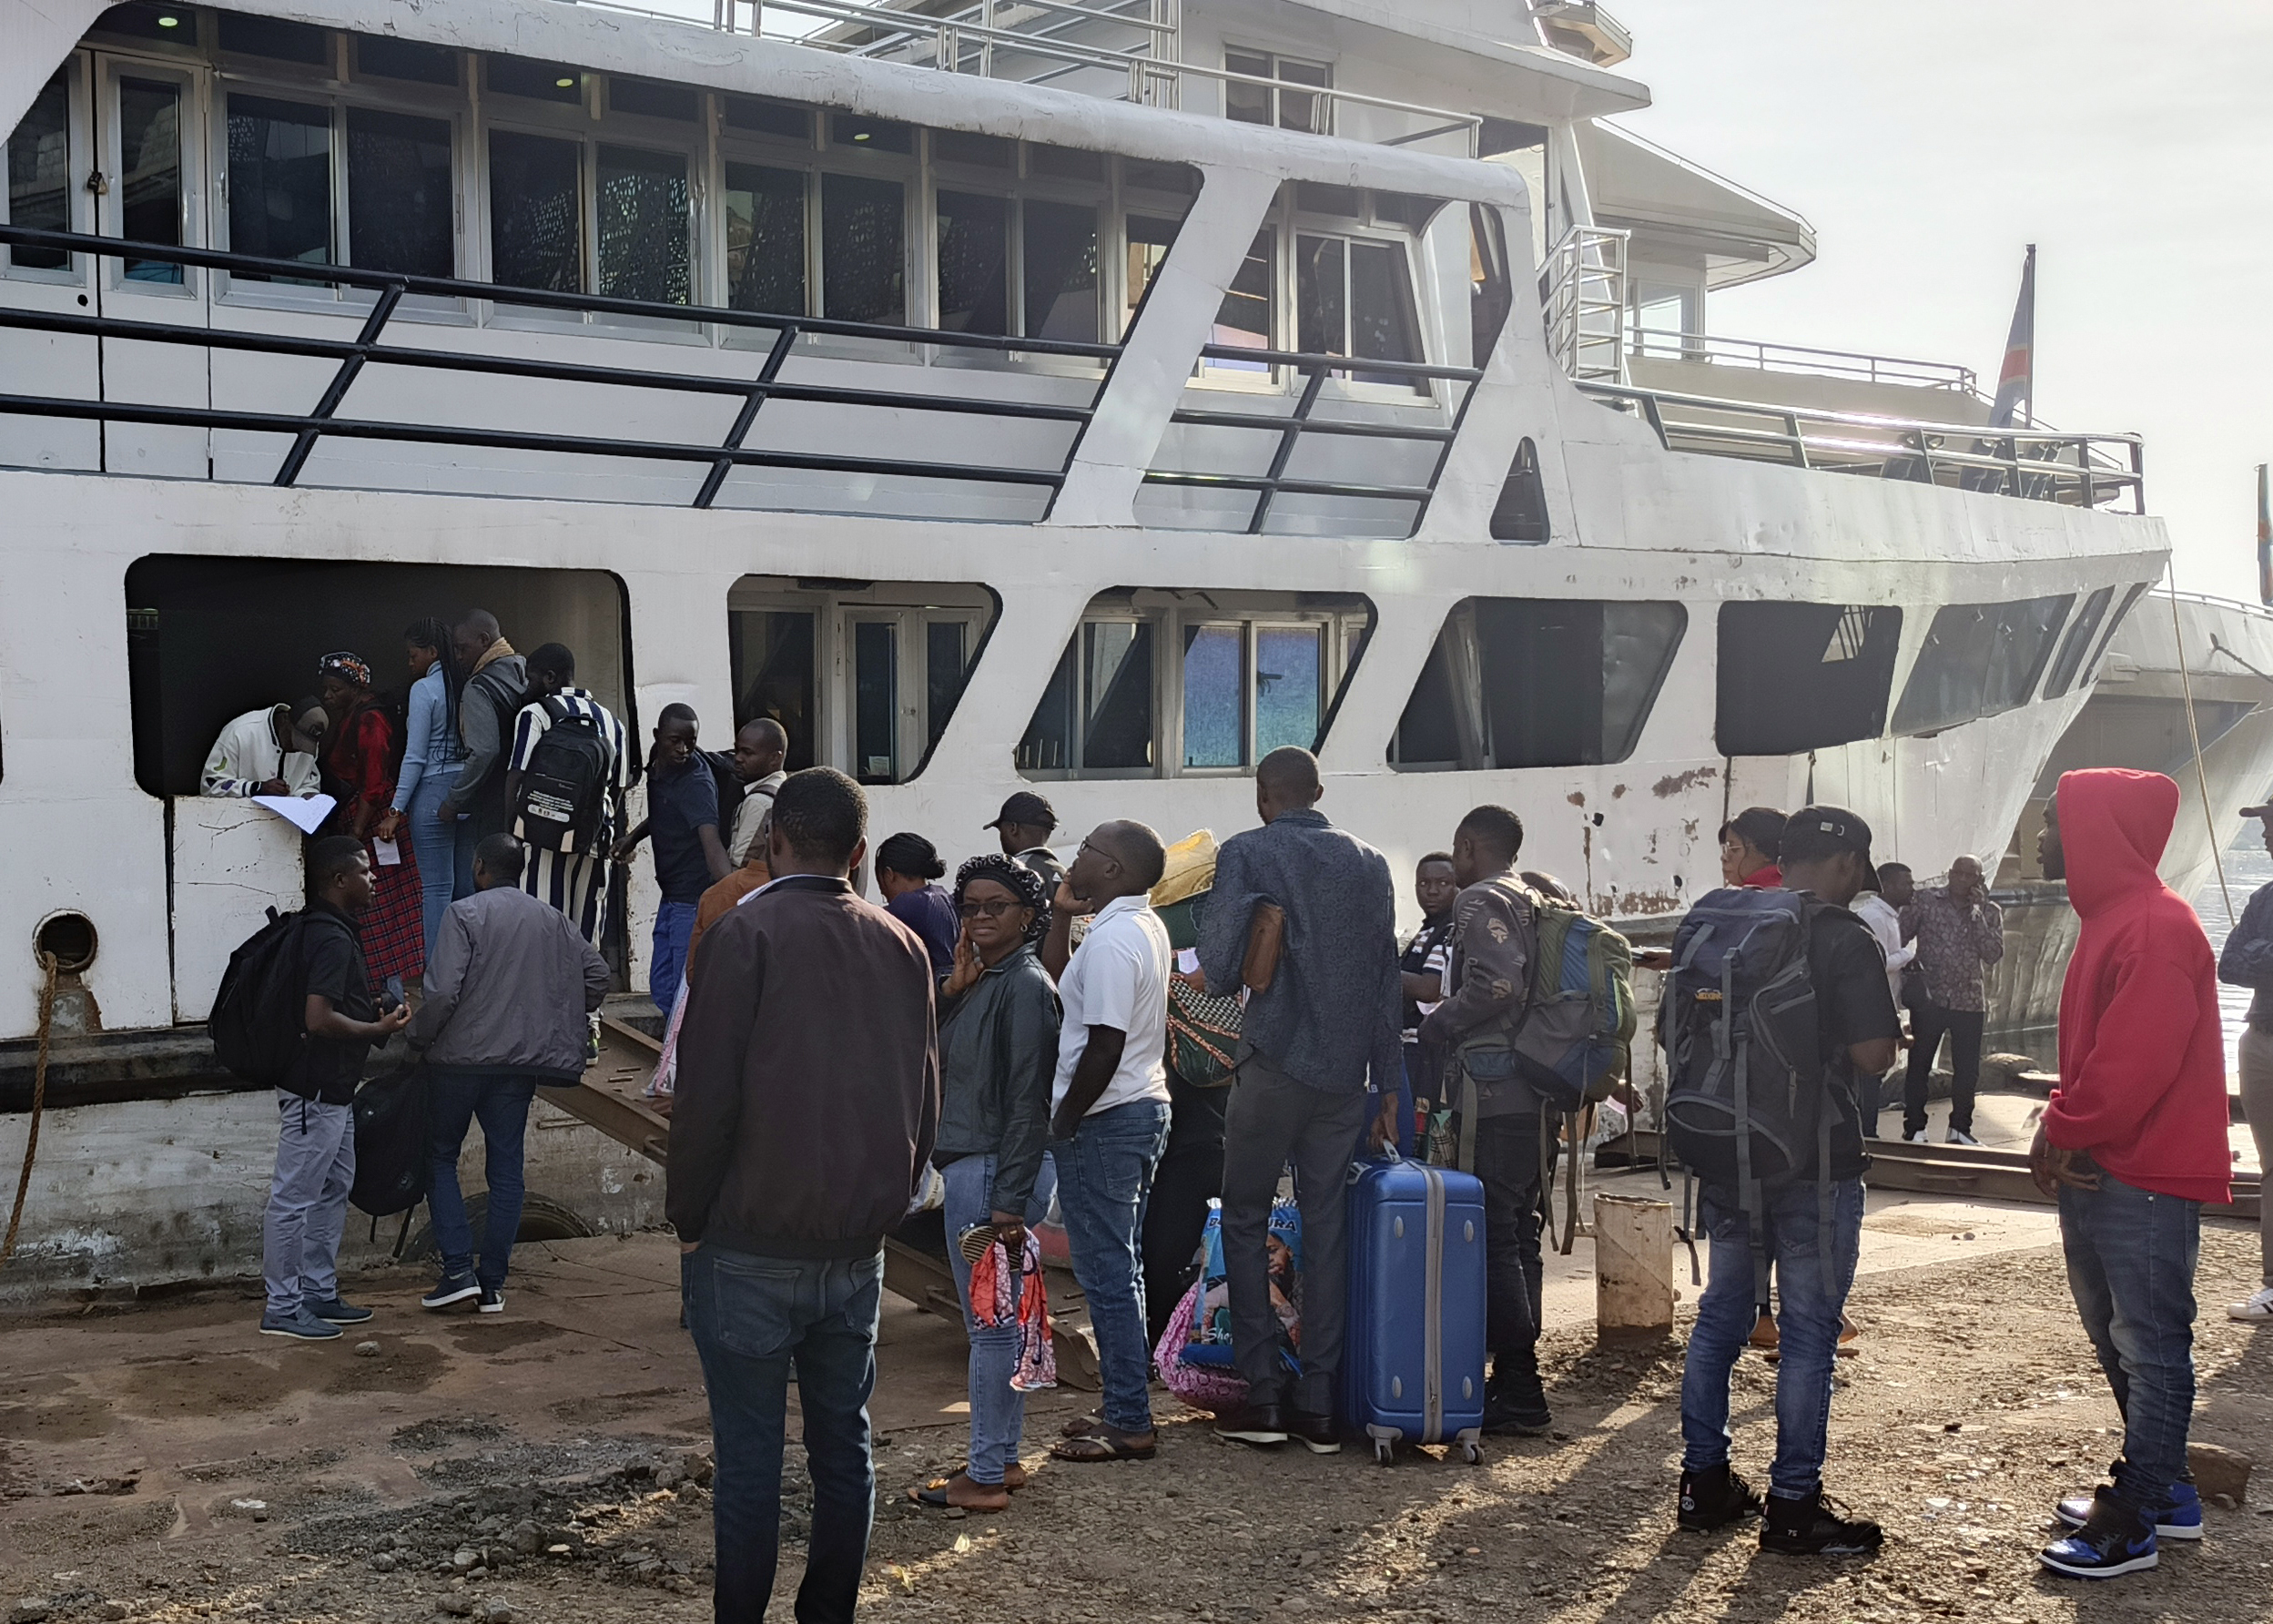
[
  {"x": 1104, "y": 1443},
  {"x": 934, "y": 1494}
]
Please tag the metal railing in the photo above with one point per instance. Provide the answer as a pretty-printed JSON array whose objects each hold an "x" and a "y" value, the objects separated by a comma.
[
  {"x": 1582, "y": 300},
  {"x": 1290, "y": 428},
  {"x": 366, "y": 350},
  {"x": 1709, "y": 348},
  {"x": 2038, "y": 464}
]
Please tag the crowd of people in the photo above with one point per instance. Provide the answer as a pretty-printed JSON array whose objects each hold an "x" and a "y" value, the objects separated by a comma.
[{"x": 1013, "y": 1034}]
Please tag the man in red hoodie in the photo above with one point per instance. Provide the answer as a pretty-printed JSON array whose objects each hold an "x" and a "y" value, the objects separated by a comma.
[{"x": 2132, "y": 1143}]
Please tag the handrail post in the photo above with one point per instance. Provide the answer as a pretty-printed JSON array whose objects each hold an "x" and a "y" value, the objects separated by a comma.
[
  {"x": 1288, "y": 437},
  {"x": 305, "y": 441},
  {"x": 784, "y": 341}
]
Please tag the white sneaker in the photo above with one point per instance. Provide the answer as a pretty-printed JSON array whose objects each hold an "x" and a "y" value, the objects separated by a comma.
[
  {"x": 1917, "y": 1138},
  {"x": 1959, "y": 1136},
  {"x": 2259, "y": 1307}
]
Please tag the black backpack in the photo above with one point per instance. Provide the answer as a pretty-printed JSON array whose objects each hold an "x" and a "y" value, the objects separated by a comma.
[
  {"x": 1746, "y": 1100},
  {"x": 259, "y": 1022},
  {"x": 565, "y": 784},
  {"x": 393, "y": 1142}
]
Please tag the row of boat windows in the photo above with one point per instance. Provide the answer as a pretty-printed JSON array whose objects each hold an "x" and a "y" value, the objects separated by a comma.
[{"x": 573, "y": 182}]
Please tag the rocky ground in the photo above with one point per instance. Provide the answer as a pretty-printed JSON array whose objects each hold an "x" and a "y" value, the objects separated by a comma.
[{"x": 1974, "y": 1404}]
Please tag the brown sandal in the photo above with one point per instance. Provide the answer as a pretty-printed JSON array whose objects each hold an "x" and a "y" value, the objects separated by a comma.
[
  {"x": 1102, "y": 1443},
  {"x": 1080, "y": 1426},
  {"x": 938, "y": 1492}
]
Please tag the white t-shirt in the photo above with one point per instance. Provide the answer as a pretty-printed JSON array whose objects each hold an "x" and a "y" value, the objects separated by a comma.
[
  {"x": 1879, "y": 914},
  {"x": 1117, "y": 977}
]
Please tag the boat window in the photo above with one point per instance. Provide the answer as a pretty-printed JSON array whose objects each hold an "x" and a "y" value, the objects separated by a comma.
[
  {"x": 1176, "y": 683},
  {"x": 1244, "y": 319},
  {"x": 864, "y": 271},
  {"x": 2076, "y": 642},
  {"x": 211, "y": 639},
  {"x": 1979, "y": 660},
  {"x": 769, "y": 119},
  {"x": 1538, "y": 682},
  {"x": 1354, "y": 296},
  {"x": 765, "y": 239},
  {"x": 535, "y": 232},
  {"x": 1057, "y": 261},
  {"x": 1491, "y": 287},
  {"x": 1148, "y": 242},
  {"x": 149, "y": 173},
  {"x": 402, "y": 204},
  {"x": 531, "y": 80},
  {"x": 2115, "y": 625},
  {"x": 1520, "y": 513},
  {"x": 862, "y": 676},
  {"x": 378, "y": 56},
  {"x": 280, "y": 180},
  {"x": 1794, "y": 677},
  {"x": 643, "y": 98},
  {"x": 39, "y": 173},
  {"x": 642, "y": 217},
  {"x": 1283, "y": 104},
  {"x": 974, "y": 263},
  {"x": 1053, "y": 244}
]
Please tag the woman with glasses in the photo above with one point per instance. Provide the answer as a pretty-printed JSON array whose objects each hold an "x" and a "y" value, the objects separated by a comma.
[{"x": 998, "y": 1055}]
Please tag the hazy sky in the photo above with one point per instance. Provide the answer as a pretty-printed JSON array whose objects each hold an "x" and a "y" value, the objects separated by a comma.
[{"x": 1928, "y": 141}]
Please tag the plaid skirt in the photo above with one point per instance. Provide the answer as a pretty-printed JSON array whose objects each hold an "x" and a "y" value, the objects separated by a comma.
[{"x": 394, "y": 928}]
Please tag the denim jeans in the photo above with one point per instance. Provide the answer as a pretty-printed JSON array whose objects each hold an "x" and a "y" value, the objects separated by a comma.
[
  {"x": 998, "y": 1410},
  {"x": 445, "y": 855},
  {"x": 674, "y": 923},
  {"x": 502, "y": 1103},
  {"x": 1810, "y": 1300},
  {"x": 2131, "y": 1254},
  {"x": 1104, "y": 1177},
  {"x": 752, "y": 1319},
  {"x": 307, "y": 1214}
]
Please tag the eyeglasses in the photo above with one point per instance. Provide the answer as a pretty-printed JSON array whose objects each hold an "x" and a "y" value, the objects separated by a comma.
[{"x": 993, "y": 910}]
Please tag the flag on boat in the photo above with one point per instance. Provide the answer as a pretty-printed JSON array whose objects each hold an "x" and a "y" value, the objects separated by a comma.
[
  {"x": 2016, "y": 379},
  {"x": 2265, "y": 539}
]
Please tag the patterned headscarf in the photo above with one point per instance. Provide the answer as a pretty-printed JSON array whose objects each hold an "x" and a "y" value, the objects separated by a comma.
[
  {"x": 346, "y": 666},
  {"x": 1015, "y": 878}
]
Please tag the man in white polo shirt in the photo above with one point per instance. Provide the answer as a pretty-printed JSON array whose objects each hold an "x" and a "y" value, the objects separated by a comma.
[{"x": 1108, "y": 1111}]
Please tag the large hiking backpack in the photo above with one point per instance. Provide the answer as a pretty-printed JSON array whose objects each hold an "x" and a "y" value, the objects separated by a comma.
[
  {"x": 258, "y": 1021},
  {"x": 1571, "y": 1040},
  {"x": 564, "y": 783}
]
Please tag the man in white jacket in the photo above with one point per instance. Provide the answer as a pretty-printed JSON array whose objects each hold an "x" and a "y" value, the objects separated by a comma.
[{"x": 261, "y": 753}]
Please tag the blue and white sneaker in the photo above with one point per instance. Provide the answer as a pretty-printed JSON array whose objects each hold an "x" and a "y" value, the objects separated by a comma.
[
  {"x": 2115, "y": 1541},
  {"x": 2178, "y": 1518},
  {"x": 299, "y": 1325},
  {"x": 450, "y": 1289}
]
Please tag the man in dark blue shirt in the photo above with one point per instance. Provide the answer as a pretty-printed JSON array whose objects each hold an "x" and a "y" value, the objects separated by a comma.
[{"x": 690, "y": 858}]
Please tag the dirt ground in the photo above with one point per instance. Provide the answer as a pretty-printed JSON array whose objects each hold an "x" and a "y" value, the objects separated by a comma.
[{"x": 1973, "y": 1404}]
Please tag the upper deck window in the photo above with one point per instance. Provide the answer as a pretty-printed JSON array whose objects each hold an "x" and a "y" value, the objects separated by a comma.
[
  {"x": 39, "y": 173},
  {"x": 1051, "y": 245},
  {"x": 1354, "y": 296},
  {"x": 282, "y": 171},
  {"x": 378, "y": 56},
  {"x": 1283, "y": 104},
  {"x": 1979, "y": 660},
  {"x": 149, "y": 185},
  {"x": 2069, "y": 662},
  {"x": 1538, "y": 682},
  {"x": 1794, "y": 677}
]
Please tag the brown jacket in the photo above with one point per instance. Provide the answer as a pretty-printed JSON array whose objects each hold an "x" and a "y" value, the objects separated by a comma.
[{"x": 808, "y": 1085}]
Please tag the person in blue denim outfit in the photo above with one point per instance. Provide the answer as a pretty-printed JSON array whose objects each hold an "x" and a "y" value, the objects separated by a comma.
[
  {"x": 430, "y": 754},
  {"x": 999, "y": 1030},
  {"x": 690, "y": 858},
  {"x": 1826, "y": 852},
  {"x": 1110, "y": 1112}
]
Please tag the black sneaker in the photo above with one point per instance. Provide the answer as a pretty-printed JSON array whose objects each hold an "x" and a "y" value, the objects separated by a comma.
[
  {"x": 1317, "y": 1434},
  {"x": 1816, "y": 1527},
  {"x": 1516, "y": 1405},
  {"x": 332, "y": 1311},
  {"x": 1253, "y": 1424},
  {"x": 493, "y": 1300},
  {"x": 449, "y": 1289},
  {"x": 1714, "y": 1498}
]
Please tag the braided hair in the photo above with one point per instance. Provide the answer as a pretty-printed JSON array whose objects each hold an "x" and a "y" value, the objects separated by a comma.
[
  {"x": 428, "y": 632},
  {"x": 1015, "y": 878}
]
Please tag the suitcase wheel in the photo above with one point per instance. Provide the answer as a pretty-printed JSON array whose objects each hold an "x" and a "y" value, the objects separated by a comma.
[
  {"x": 1472, "y": 1452},
  {"x": 1384, "y": 1453}
]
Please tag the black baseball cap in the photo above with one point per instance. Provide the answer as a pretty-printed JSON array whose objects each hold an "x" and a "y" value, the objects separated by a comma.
[
  {"x": 1026, "y": 808},
  {"x": 1841, "y": 828}
]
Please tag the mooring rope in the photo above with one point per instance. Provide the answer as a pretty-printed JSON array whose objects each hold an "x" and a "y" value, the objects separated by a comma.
[{"x": 49, "y": 963}]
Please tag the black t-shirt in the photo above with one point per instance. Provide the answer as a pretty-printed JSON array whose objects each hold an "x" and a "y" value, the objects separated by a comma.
[
  {"x": 330, "y": 1070},
  {"x": 1851, "y": 1006},
  {"x": 679, "y": 803}
]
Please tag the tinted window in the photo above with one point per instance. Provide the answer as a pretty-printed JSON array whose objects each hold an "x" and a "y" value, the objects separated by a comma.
[
  {"x": 772, "y": 675},
  {"x": 2115, "y": 625},
  {"x": 405, "y": 59},
  {"x": 535, "y": 240},
  {"x": 642, "y": 218},
  {"x": 276, "y": 38},
  {"x": 2072, "y": 646},
  {"x": 1980, "y": 659},
  {"x": 401, "y": 205},
  {"x": 1061, "y": 271},
  {"x": 150, "y": 177},
  {"x": 39, "y": 161},
  {"x": 974, "y": 263},
  {"x": 764, "y": 239},
  {"x": 1795, "y": 677},
  {"x": 1538, "y": 682},
  {"x": 864, "y": 273}
]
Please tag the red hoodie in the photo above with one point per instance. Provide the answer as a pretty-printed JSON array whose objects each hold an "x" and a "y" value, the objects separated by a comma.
[{"x": 2142, "y": 1061}]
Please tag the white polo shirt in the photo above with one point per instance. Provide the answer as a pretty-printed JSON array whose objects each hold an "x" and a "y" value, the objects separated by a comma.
[{"x": 1117, "y": 977}]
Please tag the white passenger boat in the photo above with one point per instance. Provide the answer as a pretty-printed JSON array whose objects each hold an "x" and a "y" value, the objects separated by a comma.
[{"x": 1088, "y": 395}]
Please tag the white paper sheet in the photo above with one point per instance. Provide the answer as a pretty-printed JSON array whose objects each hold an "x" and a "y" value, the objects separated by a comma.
[
  {"x": 304, "y": 813},
  {"x": 390, "y": 854}
]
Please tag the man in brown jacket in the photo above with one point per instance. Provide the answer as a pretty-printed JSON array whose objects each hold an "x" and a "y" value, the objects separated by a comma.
[{"x": 808, "y": 1097}]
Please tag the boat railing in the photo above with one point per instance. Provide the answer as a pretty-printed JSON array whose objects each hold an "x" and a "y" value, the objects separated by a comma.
[
  {"x": 1757, "y": 355},
  {"x": 1582, "y": 300},
  {"x": 2039, "y": 464}
]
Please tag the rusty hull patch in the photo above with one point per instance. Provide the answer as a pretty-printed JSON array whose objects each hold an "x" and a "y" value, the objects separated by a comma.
[{"x": 1673, "y": 785}]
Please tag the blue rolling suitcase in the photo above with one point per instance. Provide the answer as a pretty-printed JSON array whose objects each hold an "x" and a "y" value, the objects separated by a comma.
[{"x": 1413, "y": 1364}]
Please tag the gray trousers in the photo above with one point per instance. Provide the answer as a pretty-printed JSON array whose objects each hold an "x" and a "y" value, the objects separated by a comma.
[
  {"x": 314, "y": 1168},
  {"x": 1273, "y": 1120},
  {"x": 2257, "y": 1104}
]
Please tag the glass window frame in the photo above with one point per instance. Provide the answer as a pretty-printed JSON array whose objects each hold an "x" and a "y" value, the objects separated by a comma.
[
  {"x": 78, "y": 201},
  {"x": 1279, "y": 61},
  {"x": 111, "y": 71},
  {"x": 1017, "y": 185}
]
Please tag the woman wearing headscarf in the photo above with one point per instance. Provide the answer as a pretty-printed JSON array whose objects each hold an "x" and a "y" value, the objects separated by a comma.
[
  {"x": 430, "y": 754},
  {"x": 907, "y": 869},
  {"x": 360, "y": 755},
  {"x": 998, "y": 1054}
]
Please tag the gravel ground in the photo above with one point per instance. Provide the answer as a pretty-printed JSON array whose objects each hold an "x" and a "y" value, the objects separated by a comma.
[{"x": 1973, "y": 1404}]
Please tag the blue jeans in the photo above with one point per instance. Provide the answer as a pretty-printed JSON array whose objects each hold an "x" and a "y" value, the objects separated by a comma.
[
  {"x": 445, "y": 855},
  {"x": 751, "y": 1318},
  {"x": 2131, "y": 1255},
  {"x": 1104, "y": 1176},
  {"x": 502, "y": 1103},
  {"x": 1806, "y": 1321},
  {"x": 998, "y": 1410},
  {"x": 675, "y": 922}
]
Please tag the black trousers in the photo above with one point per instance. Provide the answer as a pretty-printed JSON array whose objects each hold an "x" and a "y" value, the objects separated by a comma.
[
  {"x": 1507, "y": 1162},
  {"x": 1927, "y": 1024},
  {"x": 1190, "y": 1175}
]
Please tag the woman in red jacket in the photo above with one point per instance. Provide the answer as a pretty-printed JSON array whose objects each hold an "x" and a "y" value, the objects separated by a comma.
[{"x": 362, "y": 749}]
